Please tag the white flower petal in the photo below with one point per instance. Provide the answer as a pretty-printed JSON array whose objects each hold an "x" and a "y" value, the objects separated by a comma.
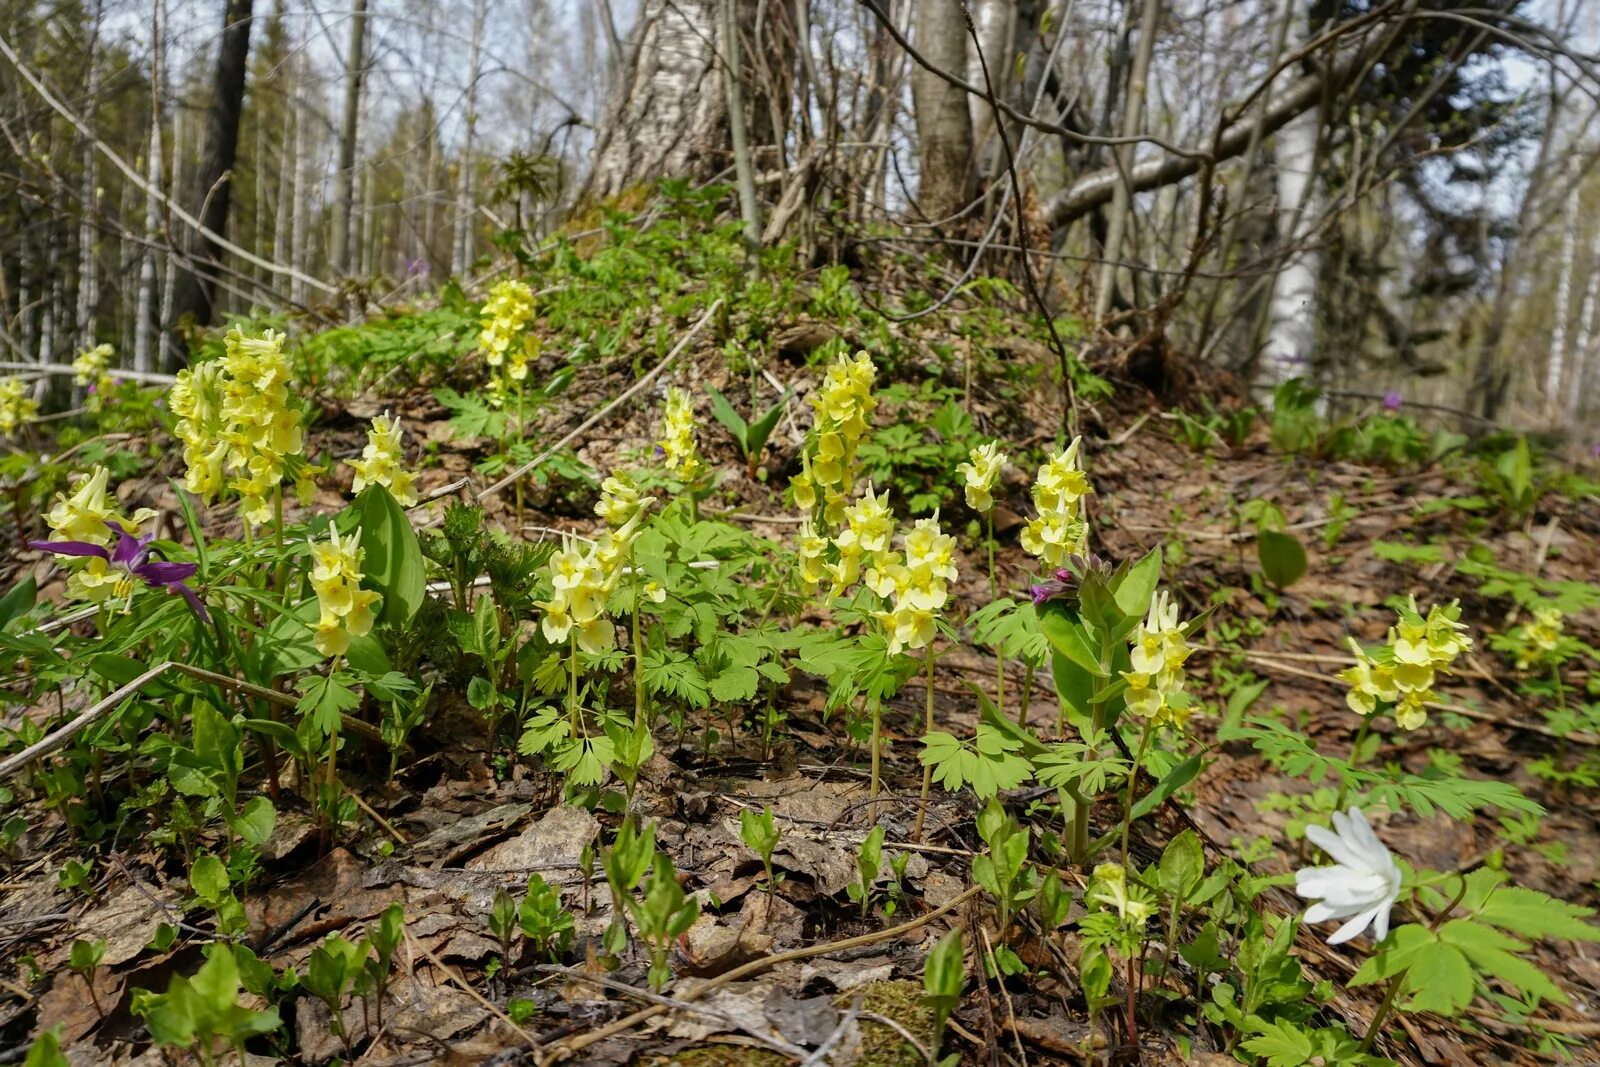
[
  {"x": 1354, "y": 927},
  {"x": 1334, "y": 846}
]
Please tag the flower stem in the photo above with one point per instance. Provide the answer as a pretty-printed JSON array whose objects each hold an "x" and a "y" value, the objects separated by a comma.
[
  {"x": 1354, "y": 758},
  {"x": 1133, "y": 778},
  {"x": 1383, "y": 1012},
  {"x": 927, "y": 770},
  {"x": 638, "y": 649},
  {"x": 572, "y": 683},
  {"x": 877, "y": 744}
]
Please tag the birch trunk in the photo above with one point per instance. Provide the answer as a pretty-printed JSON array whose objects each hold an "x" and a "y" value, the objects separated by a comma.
[
  {"x": 1555, "y": 365},
  {"x": 302, "y": 210},
  {"x": 144, "y": 315},
  {"x": 88, "y": 281},
  {"x": 461, "y": 248},
  {"x": 1132, "y": 126},
  {"x": 944, "y": 123},
  {"x": 349, "y": 132},
  {"x": 1291, "y": 324},
  {"x": 995, "y": 23},
  {"x": 1581, "y": 374}
]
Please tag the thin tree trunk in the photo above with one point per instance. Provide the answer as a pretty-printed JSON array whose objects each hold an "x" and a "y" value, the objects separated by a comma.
[
  {"x": 194, "y": 298},
  {"x": 299, "y": 231},
  {"x": 944, "y": 123},
  {"x": 349, "y": 132},
  {"x": 749, "y": 208},
  {"x": 1583, "y": 359},
  {"x": 1132, "y": 126},
  {"x": 1555, "y": 365},
  {"x": 88, "y": 281},
  {"x": 461, "y": 248},
  {"x": 144, "y": 315},
  {"x": 1292, "y": 323},
  {"x": 995, "y": 23}
]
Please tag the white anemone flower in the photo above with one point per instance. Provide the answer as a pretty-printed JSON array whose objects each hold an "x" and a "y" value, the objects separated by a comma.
[{"x": 1363, "y": 885}]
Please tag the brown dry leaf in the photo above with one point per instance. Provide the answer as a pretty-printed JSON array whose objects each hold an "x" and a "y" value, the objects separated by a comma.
[
  {"x": 463, "y": 836},
  {"x": 334, "y": 888},
  {"x": 127, "y": 920},
  {"x": 552, "y": 843},
  {"x": 413, "y": 1008},
  {"x": 845, "y": 975},
  {"x": 68, "y": 1005}
]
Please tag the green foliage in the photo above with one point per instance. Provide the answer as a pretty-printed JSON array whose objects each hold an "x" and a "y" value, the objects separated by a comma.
[
  {"x": 548, "y": 926},
  {"x": 198, "y": 1012},
  {"x": 1004, "y": 869},
  {"x": 750, "y": 437},
  {"x": 1444, "y": 966},
  {"x": 943, "y": 976},
  {"x": 661, "y": 914},
  {"x": 759, "y": 832}
]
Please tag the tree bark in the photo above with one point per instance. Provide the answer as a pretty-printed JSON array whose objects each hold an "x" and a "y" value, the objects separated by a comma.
[
  {"x": 944, "y": 123},
  {"x": 349, "y": 135},
  {"x": 461, "y": 246},
  {"x": 145, "y": 311},
  {"x": 193, "y": 299},
  {"x": 88, "y": 279},
  {"x": 1556, "y": 364},
  {"x": 664, "y": 115},
  {"x": 749, "y": 208},
  {"x": 1132, "y": 126}
]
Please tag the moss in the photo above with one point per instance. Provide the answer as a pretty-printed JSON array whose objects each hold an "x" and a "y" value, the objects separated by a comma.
[
  {"x": 901, "y": 1001},
  {"x": 716, "y": 1055}
]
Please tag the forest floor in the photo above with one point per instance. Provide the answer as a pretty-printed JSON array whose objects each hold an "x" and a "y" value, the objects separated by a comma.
[{"x": 800, "y": 968}]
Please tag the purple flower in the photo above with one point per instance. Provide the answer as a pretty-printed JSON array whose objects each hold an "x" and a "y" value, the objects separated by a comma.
[
  {"x": 1392, "y": 400},
  {"x": 1594, "y": 450},
  {"x": 1051, "y": 588},
  {"x": 132, "y": 558}
]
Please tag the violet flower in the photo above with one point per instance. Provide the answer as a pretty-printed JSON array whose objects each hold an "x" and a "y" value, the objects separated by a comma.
[
  {"x": 1051, "y": 588},
  {"x": 131, "y": 557},
  {"x": 1392, "y": 400}
]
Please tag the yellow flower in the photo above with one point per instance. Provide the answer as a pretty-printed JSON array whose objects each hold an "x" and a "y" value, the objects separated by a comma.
[
  {"x": 916, "y": 588},
  {"x": 91, "y": 367},
  {"x": 810, "y": 546},
  {"x": 981, "y": 473},
  {"x": 1110, "y": 885},
  {"x": 871, "y": 524},
  {"x": 654, "y": 593},
  {"x": 620, "y": 500},
  {"x": 1541, "y": 637},
  {"x": 255, "y": 420},
  {"x": 843, "y": 405},
  {"x": 581, "y": 585},
  {"x": 506, "y": 313},
  {"x": 87, "y": 515},
  {"x": 1157, "y": 652},
  {"x": 1403, "y": 674},
  {"x": 382, "y": 462},
  {"x": 1058, "y": 491},
  {"x": 678, "y": 435},
  {"x": 344, "y": 608},
  {"x": 17, "y": 405}
]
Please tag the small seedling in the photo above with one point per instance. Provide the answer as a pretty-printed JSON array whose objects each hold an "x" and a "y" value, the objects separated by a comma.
[{"x": 760, "y": 833}]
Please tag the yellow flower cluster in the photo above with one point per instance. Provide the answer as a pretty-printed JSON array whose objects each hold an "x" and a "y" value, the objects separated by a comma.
[
  {"x": 844, "y": 405},
  {"x": 1110, "y": 887},
  {"x": 1060, "y": 530},
  {"x": 1156, "y": 655},
  {"x": 678, "y": 436},
  {"x": 865, "y": 539},
  {"x": 88, "y": 515},
  {"x": 92, "y": 368},
  {"x": 917, "y": 587},
  {"x": 811, "y": 546},
  {"x": 620, "y": 501},
  {"x": 1403, "y": 673},
  {"x": 1540, "y": 638},
  {"x": 345, "y": 609},
  {"x": 504, "y": 340},
  {"x": 578, "y": 603},
  {"x": 381, "y": 462},
  {"x": 17, "y": 405},
  {"x": 196, "y": 398},
  {"x": 981, "y": 473}
]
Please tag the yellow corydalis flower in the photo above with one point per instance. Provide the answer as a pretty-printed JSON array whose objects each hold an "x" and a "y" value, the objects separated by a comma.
[
  {"x": 1156, "y": 655},
  {"x": 344, "y": 608},
  {"x": 259, "y": 426},
  {"x": 17, "y": 405},
  {"x": 381, "y": 462},
  {"x": 620, "y": 500},
  {"x": 196, "y": 398},
  {"x": 1060, "y": 530},
  {"x": 865, "y": 539},
  {"x": 678, "y": 436},
  {"x": 1541, "y": 637},
  {"x": 981, "y": 473},
  {"x": 843, "y": 406},
  {"x": 1403, "y": 672},
  {"x": 92, "y": 368},
  {"x": 577, "y": 605},
  {"x": 506, "y": 314},
  {"x": 89, "y": 515},
  {"x": 917, "y": 586},
  {"x": 1110, "y": 887}
]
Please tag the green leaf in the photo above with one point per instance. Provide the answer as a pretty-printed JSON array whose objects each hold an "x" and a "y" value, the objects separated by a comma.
[
  {"x": 1283, "y": 557},
  {"x": 323, "y": 699},
  {"x": 758, "y": 432},
  {"x": 255, "y": 821},
  {"x": 1280, "y": 1043},
  {"x": 1183, "y": 865},
  {"x": 725, "y": 414},
  {"x": 1440, "y": 980},
  {"x": 1494, "y": 954},
  {"x": 209, "y": 877},
  {"x": 1134, "y": 589},
  {"x": 392, "y": 563},
  {"x": 18, "y": 601},
  {"x": 1533, "y": 914},
  {"x": 1068, "y": 637},
  {"x": 1171, "y": 782}
]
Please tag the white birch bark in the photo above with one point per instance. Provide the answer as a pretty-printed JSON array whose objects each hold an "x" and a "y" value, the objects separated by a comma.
[
  {"x": 1292, "y": 324},
  {"x": 1581, "y": 376},
  {"x": 1555, "y": 364},
  {"x": 144, "y": 307},
  {"x": 461, "y": 247},
  {"x": 88, "y": 279},
  {"x": 995, "y": 23}
]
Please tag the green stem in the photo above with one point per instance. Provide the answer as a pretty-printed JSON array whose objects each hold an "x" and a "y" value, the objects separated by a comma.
[
  {"x": 1133, "y": 778},
  {"x": 572, "y": 682},
  {"x": 877, "y": 744},
  {"x": 927, "y": 770},
  {"x": 1383, "y": 1012},
  {"x": 638, "y": 649},
  {"x": 1354, "y": 758}
]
